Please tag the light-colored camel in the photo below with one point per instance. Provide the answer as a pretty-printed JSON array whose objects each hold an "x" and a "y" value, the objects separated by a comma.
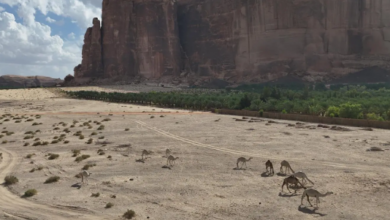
[
  {"x": 287, "y": 167},
  {"x": 291, "y": 180},
  {"x": 85, "y": 174},
  {"x": 168, "y": 153},
  {"x": 145, "y": 153},
  {"x": 268, "y": 165},
  {"x": 313, "y": 193},
  {"x": 171, "y": 160},
  {"x": 303, "y": 176},
  {"x": 243, "y": 160}
]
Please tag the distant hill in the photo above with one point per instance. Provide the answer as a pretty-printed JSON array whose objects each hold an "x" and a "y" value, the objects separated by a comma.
[{"x": 15, "y": 81}]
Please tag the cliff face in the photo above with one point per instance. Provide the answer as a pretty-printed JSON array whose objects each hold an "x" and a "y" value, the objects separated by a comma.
[{"x": 239, "y": 40}]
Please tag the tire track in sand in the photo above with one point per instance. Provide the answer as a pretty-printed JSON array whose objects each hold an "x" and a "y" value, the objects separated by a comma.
[
  {"x": 14, "y": 207},
  {"x": 263, "y": 155}
]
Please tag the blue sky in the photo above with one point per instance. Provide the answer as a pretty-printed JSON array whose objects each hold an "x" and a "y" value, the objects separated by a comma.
[{"x": 40, "y": 37}]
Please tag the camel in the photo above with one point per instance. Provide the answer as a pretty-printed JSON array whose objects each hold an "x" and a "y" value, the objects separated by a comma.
[
  {"x": 85, "y": 174},
  {"x": 303, "y": 176},
  {"x": 146, "y": 152},
  {"x": 269, "y": 165},
  {"x": 168, "y": 153},
  {"x": 243, "y": 161},
  {"x": 287, "y": 167},
  {"x": 313, "y": 193},
  {"x": 291, "y": 180},
  {"x": 171, "y": 159}
]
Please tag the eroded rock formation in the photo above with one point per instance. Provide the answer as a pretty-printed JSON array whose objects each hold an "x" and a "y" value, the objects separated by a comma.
[{"x": 238, "y": 40}]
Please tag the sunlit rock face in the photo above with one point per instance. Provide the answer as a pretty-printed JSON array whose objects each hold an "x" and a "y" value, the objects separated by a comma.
[{"x": 238, "y": 40}]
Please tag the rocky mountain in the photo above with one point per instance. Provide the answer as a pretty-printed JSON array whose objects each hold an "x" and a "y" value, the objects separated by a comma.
[
  {"x": 237, "y": 40},
  {"x": 15, "y": 81}
]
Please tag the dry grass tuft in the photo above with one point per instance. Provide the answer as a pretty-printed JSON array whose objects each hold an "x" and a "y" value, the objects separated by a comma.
[
  {"x": 129, "y": 214},
  {"x": 10, "y": 180},
  {"x": 52, "y": 179},
  {"x": 30, "y": 193}
]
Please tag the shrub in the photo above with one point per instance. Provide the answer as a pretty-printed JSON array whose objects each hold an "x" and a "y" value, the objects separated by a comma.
[
  {"x": 284, "y": 111},
  {"x": 75, "y": 153},
  {"x": 82, "y": 157},
  {"x": 10, "y": 133},
  {"x": 29, "y": 132},
  {"x": 101, "y": 137},
  {"x": 1, "y": 135},
  {"x": 10, "y": 180},
  {"x": 52, "y": 179},
  {"x": 89, "y": 141},
  {"x": 127, "y": 129},
  {"x": 95, "y": 195},
  {"x": 29, "y": 156},
  {"x": 349, "y": 110},
  {"x": 93, "y": 133},
  {"x": 36, "y": 144},
  {"x": 101, "y": 127},
  {"x": 109, "y": 157},
  {"x": 261, "y": 112},
  {"x": 87, "y": 166},
  {"x": 129, "y": 214},
  {"x": 56, "y": 129},
  {"x": 30, "y": 193},
  {"x": 333, "y": 111},
  {"x": 66, "y": 142},
  {"x": 35, "y": 124},
  {"x": 28, "y": 120},
  {"x": 106, "y": 119},
  {"x": 4, "y": 142},
  {"x": 81, "y": 137},
  {"x": 109, "y": 205},
  {"x": 53, "y": 156},
  {"x": 54, "y": 142},
  {"x": 373, "y": 116},
  {"x": 26, "y": 144}
]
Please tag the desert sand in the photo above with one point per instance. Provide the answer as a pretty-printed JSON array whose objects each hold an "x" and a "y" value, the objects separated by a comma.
[{"x": 203, "y": 183}]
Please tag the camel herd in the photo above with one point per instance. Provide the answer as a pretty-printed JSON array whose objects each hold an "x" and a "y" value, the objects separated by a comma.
[{"x": 290, "y": 180}]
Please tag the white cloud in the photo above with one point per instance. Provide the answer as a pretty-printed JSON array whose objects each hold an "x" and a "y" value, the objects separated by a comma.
[
  {"x": 50, "y": 20},
  {"x": 72, "y": 36},
  {"x": 29, "y": 48}
]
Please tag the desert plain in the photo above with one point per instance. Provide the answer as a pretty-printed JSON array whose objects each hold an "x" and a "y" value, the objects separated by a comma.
[{"x": 204, "y": 183}]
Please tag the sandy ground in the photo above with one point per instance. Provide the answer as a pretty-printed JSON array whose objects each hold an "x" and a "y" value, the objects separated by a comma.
[{"x": 203, "y": 183}]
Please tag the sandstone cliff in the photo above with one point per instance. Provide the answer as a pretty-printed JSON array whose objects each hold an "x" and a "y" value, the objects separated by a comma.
[{"x": 238, "y": 40}]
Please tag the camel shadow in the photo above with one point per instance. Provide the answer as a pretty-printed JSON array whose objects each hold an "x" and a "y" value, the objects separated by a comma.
[
  {"x": 166, "y": 167},
  {"x": 76, "y": 185},
  {"x": 310, "y": 211},
  {"x": 281, "y": 174},
  {"x": 140, "y": 160},
  {"x": 266, "y": 174},
  {"x": 287, "y": 195},
  {"x": 236, "y": 168}
]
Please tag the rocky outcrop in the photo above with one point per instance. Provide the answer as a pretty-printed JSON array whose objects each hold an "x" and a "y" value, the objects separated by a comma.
[
  {"x": 16, "y": 81},
  {"x": 240, "y": 40},
  {"x": 92, "y": 62}
]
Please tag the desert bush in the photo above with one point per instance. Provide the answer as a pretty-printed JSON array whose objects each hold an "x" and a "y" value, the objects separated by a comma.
[
  {"x": 30, "y": 193},
  {"x": 36, "y": 144},
  {"x": 127, "y": 129},
  {"x": 18, "y": 121},
  {"x": 10, "y": 133},
  {"x": 53, "y": 156},
  {"x": 89, "y": 141},
  {"x": 72, "y": 126},
  {"x": 87, "y": 166},
  {"x": 4, "y": 142},
  {"x": 106, "y": 119},
  {"x": 28, "y": 120},
  {"x": 109, "y": 157},
  {"x": 32, "y": 170},
  {"x": 56, "y": 128},
  {"x": 101, "y": 127},
  {"x": 29, "y": 156},
  {"x": 7, "y": 119},
  {"x": 109, "y": 205},
  {"x": 95, "y": 195},
  {"x": 28, "y": 137},
  {"x": 26, "y": 144},
  {"x": 75, "y": 153},
  {"x": 82, "y": 157},
  {"x": 40, "y": 168},
  {"x": 66, "y": 142},
  {"x": 1, "y": 136},
  {"x": 38, "y": 131},
  {"x": 129, "y": 214},
  {"x": 10, "y": 180},
  {"x": 93, "y": 133},
  {"x": 101, "y": 152},
  {"x": 54, "y": 142},
  {"x": 52, "y": 179},
  {"x": 35, "y": 124},
  {"x": 81, "y": 137},
  {"x": 55, "y": 137},
  {"x": 101, "y": 137}
]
